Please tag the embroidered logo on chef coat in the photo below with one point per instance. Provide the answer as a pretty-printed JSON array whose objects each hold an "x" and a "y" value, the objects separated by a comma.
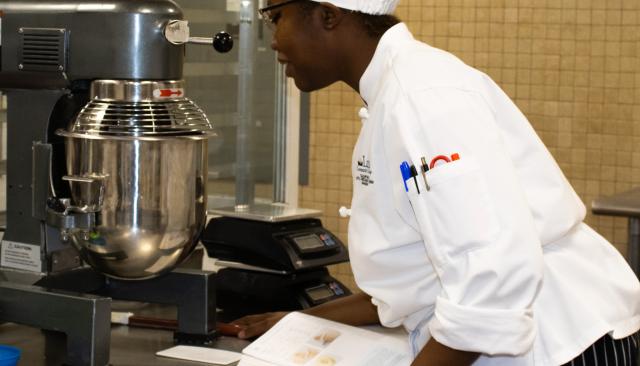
[{"x": 364, "y": 170}]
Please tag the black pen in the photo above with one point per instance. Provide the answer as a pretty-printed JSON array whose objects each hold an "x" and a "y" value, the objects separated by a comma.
[{"x": 414, "y": 174}]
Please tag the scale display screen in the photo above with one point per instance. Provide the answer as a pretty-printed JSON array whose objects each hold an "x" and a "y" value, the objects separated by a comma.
[
  {"x": 308, "y": 242},
  {"x": 319, "y": 293}
]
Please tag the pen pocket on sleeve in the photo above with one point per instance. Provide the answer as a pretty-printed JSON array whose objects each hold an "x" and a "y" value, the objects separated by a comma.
[{"x": 456, "y": 214}]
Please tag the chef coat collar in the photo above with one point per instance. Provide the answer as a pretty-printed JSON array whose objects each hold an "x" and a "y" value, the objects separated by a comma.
[{"x": 369, "y": 82}]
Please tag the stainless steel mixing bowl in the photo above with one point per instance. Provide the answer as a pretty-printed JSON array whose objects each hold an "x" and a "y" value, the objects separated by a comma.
[{"x": 148, "y": 146}]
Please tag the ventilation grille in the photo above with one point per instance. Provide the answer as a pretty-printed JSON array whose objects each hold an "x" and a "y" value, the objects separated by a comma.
[
  {"x": 42, "y": 49},
  {"x": 142, "y": 119}
]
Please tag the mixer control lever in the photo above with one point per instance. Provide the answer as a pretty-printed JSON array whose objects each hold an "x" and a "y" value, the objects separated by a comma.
[
  {"x": 56, "y": 205},
  {"x": 177, "y": 32}
]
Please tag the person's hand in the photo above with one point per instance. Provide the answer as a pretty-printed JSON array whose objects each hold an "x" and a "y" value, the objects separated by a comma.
[{"x": 254, "y": 325}]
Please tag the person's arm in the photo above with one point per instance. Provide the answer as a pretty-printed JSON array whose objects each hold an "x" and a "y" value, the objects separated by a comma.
[
  {"x": 355, "y": 309},
  {"x": 475, "y": 220},
  {"x": 435, "y": 353}
]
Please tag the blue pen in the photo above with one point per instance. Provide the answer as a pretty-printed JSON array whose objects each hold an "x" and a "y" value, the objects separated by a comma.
[{"x": 406, "y": 174}]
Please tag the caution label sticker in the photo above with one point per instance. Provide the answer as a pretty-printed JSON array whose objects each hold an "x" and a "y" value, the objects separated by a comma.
[{"x": 20, "y": 256}]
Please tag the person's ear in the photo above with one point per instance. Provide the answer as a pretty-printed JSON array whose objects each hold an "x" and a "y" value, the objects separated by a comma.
[{"x": 330, "y": 15}]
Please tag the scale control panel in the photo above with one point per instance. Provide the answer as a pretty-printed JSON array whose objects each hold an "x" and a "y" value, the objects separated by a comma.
[
  {"x": 324, "y": 292},
  {"x": 313, "y": 243}
]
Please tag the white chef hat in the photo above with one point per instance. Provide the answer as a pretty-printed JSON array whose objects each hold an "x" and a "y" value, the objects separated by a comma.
[{"x": 375, "y": 7}]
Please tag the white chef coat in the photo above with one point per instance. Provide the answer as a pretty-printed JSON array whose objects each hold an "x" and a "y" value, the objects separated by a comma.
[{"x": 494, "y": 257}]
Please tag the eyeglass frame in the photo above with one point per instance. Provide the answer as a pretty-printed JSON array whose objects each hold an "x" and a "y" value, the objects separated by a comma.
[{"x": 264, "y": 12}]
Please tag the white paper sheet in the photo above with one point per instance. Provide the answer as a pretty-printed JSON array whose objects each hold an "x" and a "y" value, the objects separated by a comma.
[
  {"x": 299, "y": 339},
  {"x": 201, "y": 354}
]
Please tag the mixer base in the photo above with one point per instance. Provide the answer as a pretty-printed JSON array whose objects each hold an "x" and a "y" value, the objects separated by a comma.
[{"x": 192, "y": 291}]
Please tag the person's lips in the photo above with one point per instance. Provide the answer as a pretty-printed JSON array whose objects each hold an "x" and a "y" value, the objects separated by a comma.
[
  {"x": 282, "y": 60},
  {"x": 287, "y": 66}
]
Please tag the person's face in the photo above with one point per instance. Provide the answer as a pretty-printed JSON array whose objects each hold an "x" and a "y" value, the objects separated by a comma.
[{"x": 300, "y": 44}]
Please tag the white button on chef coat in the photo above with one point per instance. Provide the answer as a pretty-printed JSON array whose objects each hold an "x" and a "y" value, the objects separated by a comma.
[{"x": 494, "y": 257}]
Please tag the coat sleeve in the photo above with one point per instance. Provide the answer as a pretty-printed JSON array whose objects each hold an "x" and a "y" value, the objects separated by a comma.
[{"x": 473, "y": 217}]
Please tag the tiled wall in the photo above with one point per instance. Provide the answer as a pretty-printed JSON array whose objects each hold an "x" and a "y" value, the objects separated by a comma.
[{"x": 572, "y": 66}]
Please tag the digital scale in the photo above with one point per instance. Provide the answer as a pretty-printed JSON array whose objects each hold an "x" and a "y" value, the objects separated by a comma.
[{"x": 274, "y": 259}]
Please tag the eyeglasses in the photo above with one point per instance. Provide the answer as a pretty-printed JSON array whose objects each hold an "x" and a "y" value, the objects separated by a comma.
[{"x": 268, "y": 17}]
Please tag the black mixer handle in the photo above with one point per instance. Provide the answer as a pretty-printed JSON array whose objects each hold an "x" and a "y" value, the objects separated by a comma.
[
  {"x": 177, "y": 32},
  {"x": 222, "y": 41}
]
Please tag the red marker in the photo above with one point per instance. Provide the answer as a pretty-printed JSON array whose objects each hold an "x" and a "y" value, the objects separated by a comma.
[{"x": 437, "y": 159}]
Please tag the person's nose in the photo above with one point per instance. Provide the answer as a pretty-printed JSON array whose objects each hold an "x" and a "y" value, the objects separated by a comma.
[{"x": 274, "y": 44}]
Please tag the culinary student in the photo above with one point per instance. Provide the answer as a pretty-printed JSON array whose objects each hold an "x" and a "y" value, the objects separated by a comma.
[{"x": 463, "y": 229}]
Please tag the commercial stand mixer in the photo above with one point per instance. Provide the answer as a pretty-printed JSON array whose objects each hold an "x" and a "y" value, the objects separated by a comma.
[{"x": 106, "y": 166}]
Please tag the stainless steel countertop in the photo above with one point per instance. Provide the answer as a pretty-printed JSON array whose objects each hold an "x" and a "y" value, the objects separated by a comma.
[
  {"x": 621, "y": 204},
  {"x": 130, "y": 346}
]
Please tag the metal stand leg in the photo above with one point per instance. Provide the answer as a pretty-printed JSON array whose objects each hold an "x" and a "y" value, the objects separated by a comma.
[
  {"x": 85, "y": 319},
  {"x": 633, "y": 249},
  {"x": 191, "y": 290}
]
